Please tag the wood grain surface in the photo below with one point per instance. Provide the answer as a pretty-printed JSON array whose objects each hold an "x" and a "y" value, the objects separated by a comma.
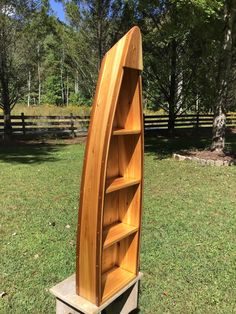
[{"x": 109, "y": 222}]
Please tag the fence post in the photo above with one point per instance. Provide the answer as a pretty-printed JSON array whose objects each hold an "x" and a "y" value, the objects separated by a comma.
[
  {"x": 23, "y": 122},
  {"x": 72, "y": 124},
  {"x": 197, "y": 120},
  {"x": 144, "y": 122}
]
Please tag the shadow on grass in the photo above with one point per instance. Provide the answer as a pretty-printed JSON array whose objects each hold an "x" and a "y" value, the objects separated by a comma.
[
  {"x": 159, "y": 144},
  {"x": 163, "y": 146},
  {"x": 28, "y": 152}
]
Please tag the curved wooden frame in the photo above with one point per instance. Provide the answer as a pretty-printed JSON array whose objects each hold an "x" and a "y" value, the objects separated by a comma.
[{"x": 119, "y": 85}]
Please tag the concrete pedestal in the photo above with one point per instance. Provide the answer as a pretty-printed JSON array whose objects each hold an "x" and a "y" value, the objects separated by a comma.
[{"x": 68, "y": 302}]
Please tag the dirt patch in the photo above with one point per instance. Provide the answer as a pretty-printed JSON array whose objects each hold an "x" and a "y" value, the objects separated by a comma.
[
  {"x": 207, "y": 157},
  {"x": 207, "y": 154}
]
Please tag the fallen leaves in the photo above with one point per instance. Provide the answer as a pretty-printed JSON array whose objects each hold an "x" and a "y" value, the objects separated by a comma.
[{"x": 2, "y": 294}]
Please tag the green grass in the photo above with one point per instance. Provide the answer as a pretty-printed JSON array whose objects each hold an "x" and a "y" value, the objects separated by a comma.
[
  {"x": 188, "y": 253},
  {"x": 50, "y": 110},
  {"x": 47, "y": 110}
]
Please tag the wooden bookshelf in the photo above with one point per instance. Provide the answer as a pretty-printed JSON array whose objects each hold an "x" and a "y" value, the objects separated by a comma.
[{"x": 112, "y": 181}]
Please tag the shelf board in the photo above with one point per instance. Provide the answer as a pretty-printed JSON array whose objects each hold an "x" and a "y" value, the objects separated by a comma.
[
  {"x": 116, "y": 232},
  {"x": 114, "y": 280},
  {"x": 122, "y": 131},
  {"x": 119, "y": 183}
]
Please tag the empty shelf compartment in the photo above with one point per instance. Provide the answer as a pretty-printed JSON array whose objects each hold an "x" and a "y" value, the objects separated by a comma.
[
  {"x": 114, "y": 280},
  {"x": 116, "y": 232},
  {"x": 119, "y": 183}
]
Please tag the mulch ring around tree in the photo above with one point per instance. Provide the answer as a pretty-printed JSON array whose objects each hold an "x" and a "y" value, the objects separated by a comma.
[{"x": 207, "y": 157}]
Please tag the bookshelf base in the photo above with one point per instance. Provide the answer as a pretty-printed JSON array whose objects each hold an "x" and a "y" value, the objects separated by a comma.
[{"x": 68, "y": 302}]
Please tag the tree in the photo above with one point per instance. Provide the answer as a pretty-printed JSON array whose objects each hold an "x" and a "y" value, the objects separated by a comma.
[
  {"x": 225, "y": 79},
  {"x": 14, "y": 16},
  {"x": 91, "y": 25},
  {"x": 176, "y": 39},
  {"x": 40, "y": 26},
  {"x": 95, "y": 27}
]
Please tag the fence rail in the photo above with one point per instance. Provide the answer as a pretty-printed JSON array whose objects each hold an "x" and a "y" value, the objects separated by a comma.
[
  {"x": 159, "y": 122},
  {"x": 74, "y": 124},
  {"x": 25, "y": 124}
]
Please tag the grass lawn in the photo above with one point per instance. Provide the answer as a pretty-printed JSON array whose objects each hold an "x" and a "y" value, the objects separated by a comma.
[
  {"x": 188, "y": 253},
  {"x": 47, "y": 110}
]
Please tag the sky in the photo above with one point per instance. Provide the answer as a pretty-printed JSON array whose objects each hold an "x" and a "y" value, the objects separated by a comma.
[{"x": 58, "y": 10}]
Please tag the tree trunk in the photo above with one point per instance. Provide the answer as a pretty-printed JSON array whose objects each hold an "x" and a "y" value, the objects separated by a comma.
[
  {"x": 77, "y": 82},
  {"x": 223, "y": 78},
  {"x": 39, "y": 77},
  {"x": 5, "y": 98},
  {"x": 29, "y": 88},
  {"x": 67, "y": 90},
  {"x": 99, "y": 31},
  {"x": 6, "y": 111},
  {"x": 219, "y": 124},
  {"x": 62, "y": 79},
  {"x": 172, "y": 100},
  {"x": 197, "y": 110},
  {"x": 179, "y": 93},
  {"x": 7, "y": 122},
  {"x": 171, "y": 122},
  {"x": 39, "y": 93},
  {"x": 100, "y": 44}
]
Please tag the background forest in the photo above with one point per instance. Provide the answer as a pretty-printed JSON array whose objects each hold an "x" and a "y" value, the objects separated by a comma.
[
  {"x": 188, "y": 247},
  {"x": 189, "y": 53}
]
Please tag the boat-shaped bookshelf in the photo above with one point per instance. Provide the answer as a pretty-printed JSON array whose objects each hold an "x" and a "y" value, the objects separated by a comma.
[{"x": 112, "y": 181}]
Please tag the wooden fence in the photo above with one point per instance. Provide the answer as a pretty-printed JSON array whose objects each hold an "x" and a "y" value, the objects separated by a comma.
[
  {"x": 72, "y": 124},
  {"x": 158, "y": 122},
  {"x": 27, "y": 125}
]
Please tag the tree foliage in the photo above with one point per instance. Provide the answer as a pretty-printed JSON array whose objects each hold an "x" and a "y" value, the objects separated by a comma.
[
  {"x": 44, "y": 60},
  {"x": 14, "y": 16}
]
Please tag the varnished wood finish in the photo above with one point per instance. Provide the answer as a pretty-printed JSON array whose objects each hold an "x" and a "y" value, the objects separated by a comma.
[
  {"x": 112, "y": 181},
  {"x": 117, "y": 183},
  {"x": 116, "y": 232},
  {"x": 115, "y": 275},
  {"x": 122, "y": 131}
]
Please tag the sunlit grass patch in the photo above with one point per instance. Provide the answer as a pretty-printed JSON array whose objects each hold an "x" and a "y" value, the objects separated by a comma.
[{"x": 188, "y": 251}]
